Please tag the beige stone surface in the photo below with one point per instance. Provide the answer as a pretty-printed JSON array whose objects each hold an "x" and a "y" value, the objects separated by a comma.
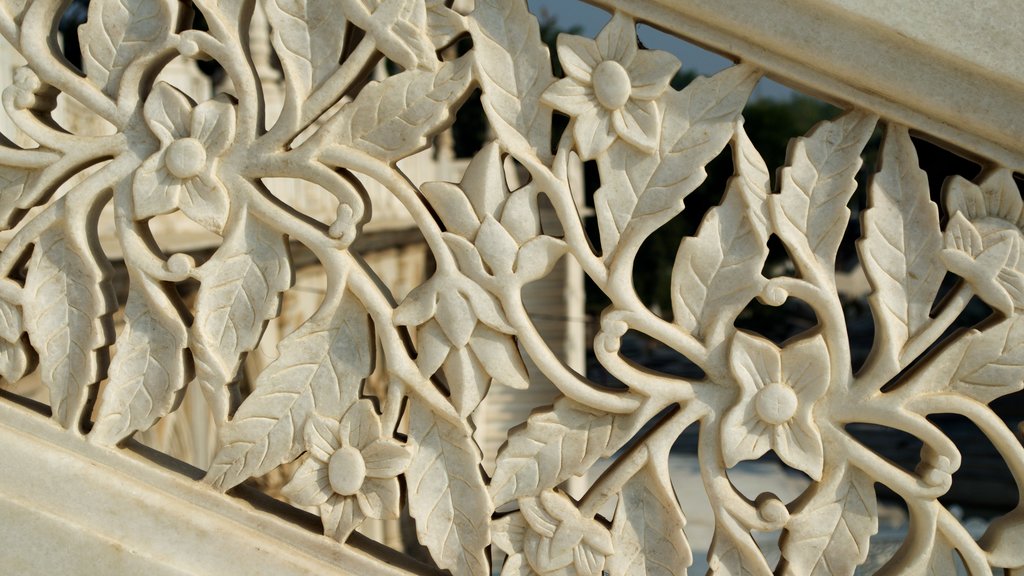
[{"x": 371, "y": 404}]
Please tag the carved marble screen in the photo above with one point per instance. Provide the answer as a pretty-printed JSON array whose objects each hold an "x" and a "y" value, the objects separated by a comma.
[{"x": 406, "y": 448}]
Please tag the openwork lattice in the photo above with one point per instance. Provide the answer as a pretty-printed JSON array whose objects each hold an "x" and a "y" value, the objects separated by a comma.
[{"x": 464, "y": 329}]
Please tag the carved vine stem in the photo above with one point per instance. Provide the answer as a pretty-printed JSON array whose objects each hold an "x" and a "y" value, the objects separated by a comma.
[{"x": 351, "y": 441}]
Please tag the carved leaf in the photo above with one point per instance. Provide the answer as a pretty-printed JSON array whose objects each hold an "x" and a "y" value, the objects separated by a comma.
[
  {"x": 810, "y": 211},
  {"x": 394, "y": 118},
  {"x": 990, "y": 364},
  {"x": 830, "y": 533},
  {"x": 66, "y": 297},
  {"x": 1002, "y": 539},
  {"x": 719, "y": 270},
  {"x": 320, "y": 368},
  {"x": 514, "y": 68},
  {"x": 240, "y": 291},
  {"x": 149, "y": 368},
  {"x": 308, "y": 37},
  {"x": 901, "y": 244},
  {"x": 117, "y": 33},
  {"x": 698, "y": 124},
  {"x": 447, "y": 495},
  {"x": 11, "y": 322},
  {"x": 941, "y": 561},
  {"x": 725, "y": 558},
  {"x": 556, "y": 445},
  {"x": 648, "y": 528},
  {"x": 984, "y": 365},
  {"x": 12, "y": 184}
]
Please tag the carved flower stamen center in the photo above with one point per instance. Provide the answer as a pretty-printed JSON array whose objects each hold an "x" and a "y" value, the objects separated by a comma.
[
  {"x": 185, "y": 158},
  {"x": 611, "y": 84},
  {"x": 775, "y": 403},
  {"x": 346, "y": 471}
]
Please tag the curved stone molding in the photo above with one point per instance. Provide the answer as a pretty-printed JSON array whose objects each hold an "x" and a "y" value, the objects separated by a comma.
[
  {"x": 936, "y": 66},
  {"x": 355, "y": 453}
]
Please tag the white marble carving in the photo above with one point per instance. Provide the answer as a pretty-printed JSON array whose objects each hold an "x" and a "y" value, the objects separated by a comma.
[{"x": 466, "y": 329}]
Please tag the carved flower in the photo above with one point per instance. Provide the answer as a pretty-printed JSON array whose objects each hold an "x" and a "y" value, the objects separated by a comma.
[
  {"x": 983, "y": 238},
  {"x": 350, "y": 470},
  {"x": 488, "y": 224},
  {"x": 462, "y": 329},
  {"x": 610, "y": 88},
  {"x": 777, "y": 390},
  {"x": 181, "y": 175},
  {"x": 550, "y": 537}
]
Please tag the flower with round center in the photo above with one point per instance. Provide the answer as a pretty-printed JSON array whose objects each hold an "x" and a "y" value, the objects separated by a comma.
[
  {"x": 610, "y": 88},
  {"x": 550, "y": 537},
  {"x": 350, "y": 471},
  {"x": 983, "y": 238},
  {"x": 778, "y": 388},
  {"x": 181, "y": 175}
]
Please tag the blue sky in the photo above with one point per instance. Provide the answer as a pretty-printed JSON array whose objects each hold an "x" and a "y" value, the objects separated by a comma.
[{"x": 570, "y": 13}]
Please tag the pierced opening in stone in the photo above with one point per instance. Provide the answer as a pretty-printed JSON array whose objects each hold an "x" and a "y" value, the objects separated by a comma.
[
  {"x": 898, "y": 447},
  {"x": 646, "y": 353},
  {"x": 778, "y": 323},
  {"x": 983, "y": 487},
  {"x": 469, "y": 131}
]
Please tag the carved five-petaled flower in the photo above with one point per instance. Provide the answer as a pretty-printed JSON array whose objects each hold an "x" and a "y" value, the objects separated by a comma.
[
  {"x": 610, "y": 88},
  {"x": 350, "y": 471},
  {"x": 778, "y": 389}
]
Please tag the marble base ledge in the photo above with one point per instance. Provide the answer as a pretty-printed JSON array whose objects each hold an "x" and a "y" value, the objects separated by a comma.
[{"x": 68, "y": 507}]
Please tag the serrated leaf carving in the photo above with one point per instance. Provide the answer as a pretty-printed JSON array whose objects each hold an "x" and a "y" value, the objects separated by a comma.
[
  {"x": 320, "y": 368},
  {"x": 514, "y": 68},
  {"x": 447, "y": 495},
  {"x": 394, "y": 118},
  {"x": 498, "y": 262},
  {"x": 240, "y": 291},
  {"x": 983, "y": 365},
  {"x": 810, "y": 210},
  {"x": 12, "y": 184},
  {"x": 648, "y": 528},
  {"x": 555, "y": 445},
  {"x": 901, "y": 244},
  {"x": 308, "y": 36},
  {"x": 719, "y": 270},
  {"x": 698, "y": 124},
  {"x": 119, "y": 32},
  {"x": 830, "y": 532},
  {"x": 66, "y": 299},
  {"x": 149, "y": 368}
]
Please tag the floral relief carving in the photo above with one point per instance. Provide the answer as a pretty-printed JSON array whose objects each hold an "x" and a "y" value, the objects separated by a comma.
[
  {"x": 407, "y": 448},
  {"x": 349, "y": 471},
  {"x": 181, "y": 175},
  {"x": 778, "y": 389}
]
